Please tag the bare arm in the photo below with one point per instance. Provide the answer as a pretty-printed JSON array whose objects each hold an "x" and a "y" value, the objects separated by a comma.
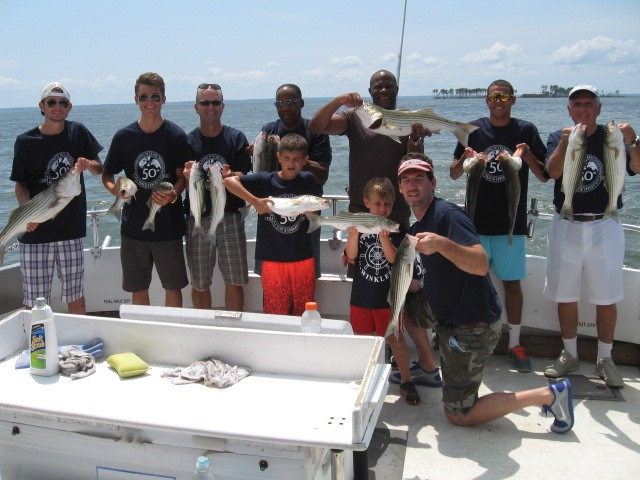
[
  {"x": 326, "y": 121},
  {"x": 630, "y": 136},
  {"x": 94, "y": 165},
  {"x": 388, "y": 248},
  {"x": 455, "y": 169},
  {"x": 319, "y": 170},
  {"x": 234, "y": 185},
  {"x": 351, "y": 249},
  {"x": 471, "y": 259},
  {"x": 109, "y": 183},
  {"x": 555, "y": 164},
  {"x": 535, "y": 165}
]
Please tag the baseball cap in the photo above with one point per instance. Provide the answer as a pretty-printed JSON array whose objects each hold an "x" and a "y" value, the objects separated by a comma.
[
  {"x": 584, "y": 88},
  {"x": 49, "y": 91},
  {"x": 414, "y": 164}
]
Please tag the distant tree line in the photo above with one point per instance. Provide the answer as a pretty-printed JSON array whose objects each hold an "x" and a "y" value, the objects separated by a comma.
[{"x": 545, "y": 91}]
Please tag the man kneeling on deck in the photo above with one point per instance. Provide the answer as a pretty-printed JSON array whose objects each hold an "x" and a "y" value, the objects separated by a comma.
[{"x": 466, "y": 306}]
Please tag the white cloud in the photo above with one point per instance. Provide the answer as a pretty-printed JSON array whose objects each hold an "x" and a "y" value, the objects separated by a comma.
[
  {"x": 498, "y": 53},
  {"x": 388, "y": 57},
  {"x": 609, "y": 51},
  {"x": 316, "y": 72},
  {"x": 346, "y": 61},
  {"x": 8, "y": 82}
]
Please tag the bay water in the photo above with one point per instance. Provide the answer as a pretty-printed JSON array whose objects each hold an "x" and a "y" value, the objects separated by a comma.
[{"x": 548, "y": 114}]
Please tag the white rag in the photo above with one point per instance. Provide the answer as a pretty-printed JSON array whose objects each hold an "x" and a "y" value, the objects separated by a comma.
[{"x": 213, "y": 372}]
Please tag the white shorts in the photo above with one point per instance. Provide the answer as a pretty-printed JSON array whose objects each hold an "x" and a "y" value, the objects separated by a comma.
[{"x": 595, "y": 249}]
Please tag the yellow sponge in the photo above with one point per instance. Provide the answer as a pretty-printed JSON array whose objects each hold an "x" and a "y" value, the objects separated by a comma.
[{"x": 127, "y": 364}]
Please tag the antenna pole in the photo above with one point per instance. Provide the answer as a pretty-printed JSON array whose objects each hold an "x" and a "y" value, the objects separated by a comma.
[{"x": 404, "y": 15}]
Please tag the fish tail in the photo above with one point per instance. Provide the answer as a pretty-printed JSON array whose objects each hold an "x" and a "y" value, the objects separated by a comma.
[
  {"x": 150, "y": 225},
  {"x": 462, "y": 133},
  {"x": 566, "y": 211},
  {"x": 314, "y": 222},
  {"x": 118, "y": 214},
  {"x": 197, "y": 230}
]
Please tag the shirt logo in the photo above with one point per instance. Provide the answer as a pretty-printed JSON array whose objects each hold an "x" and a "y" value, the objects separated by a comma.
[
  {"x": 374, "y": 266},
  {"x": 149, "y": 169},
  {"x": 494, "y": 173},
  {"x": 592, "y": 175},
  {"x": 58, "y": 167}
]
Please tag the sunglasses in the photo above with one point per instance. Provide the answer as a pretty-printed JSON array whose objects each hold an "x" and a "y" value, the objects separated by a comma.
[
  {"x": 206, "y": 103},
  {"x": 493, "y": 97},
  {"x": 53, "y": 103},
  {"x": 287, "y": 103},
  {"x": 206, "y": 86},
  {"x": 144, "y": 97}
]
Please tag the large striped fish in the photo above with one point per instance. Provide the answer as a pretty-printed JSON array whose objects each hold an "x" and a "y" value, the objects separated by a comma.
[
  {"x": 42, "y": 207},
  {"x": 397, "y": 123},
  {"x": 196, "y": 196},
  {"x": 574, "y": 162},
  {"x": 150, "y": 222},
  {"x": 218, "y": 199},
  {"x": 401, "y": 276},
  {"x": 363, "y": 221},
  {"x": 510, "y": 167},
  {"x": 126, "y": 189},
  {"x": 474, "y": 168},
  {"x": 264, "y": 157},
  {"x": 615, "y": 166}
]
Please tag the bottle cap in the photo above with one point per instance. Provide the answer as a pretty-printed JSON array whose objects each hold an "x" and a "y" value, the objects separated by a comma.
[
  {"x": 202, "y": 463},
  {"x": 311, "y": 306},
  {"x": 41, "y": 302}
]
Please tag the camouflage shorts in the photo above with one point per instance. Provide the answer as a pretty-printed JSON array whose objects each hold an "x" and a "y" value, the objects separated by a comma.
[{"x": 463, "y": 354}]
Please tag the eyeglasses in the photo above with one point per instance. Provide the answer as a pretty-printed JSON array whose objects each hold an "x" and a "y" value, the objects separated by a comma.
[
  {"x": 144, "y": 97},
  {"x": 206, "y": 103},
  {"x": 504, "y": 97},
  {"x": 53, "y": 103},
  {"x": 287, "y": 103},
  {"x": 206, "y": 86}
]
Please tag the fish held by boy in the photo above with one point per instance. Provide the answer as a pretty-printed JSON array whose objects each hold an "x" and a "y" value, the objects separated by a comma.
[
  {"x": 294, "y": 206},
  {"x": 42, "y": 207},
  {"x": 218, "y": 199},
  {"x": 196, "y": 196},
  {"x": 126, "y": 189},
  {"x": 574, "y": 162},
  {"x": 474, "y": 168},
  {"x": 264, "y": 157},
  {"x": 362, "y": 221},
  {"x": 397, "y": 123},
  {"x": 511, "y": 166},
  {"x": 150, "y": 222},
  {"x": 615, "y": 167},
  {"x": 401, "y": 276}
]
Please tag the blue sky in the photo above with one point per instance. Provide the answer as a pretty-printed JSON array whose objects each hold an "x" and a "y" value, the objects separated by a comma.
[{"x": 99, "y": 47}]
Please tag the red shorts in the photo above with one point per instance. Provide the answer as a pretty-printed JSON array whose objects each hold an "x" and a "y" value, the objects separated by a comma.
[
  {"x": 287, "y": 286},
  {"x": 366, "y": 321}
]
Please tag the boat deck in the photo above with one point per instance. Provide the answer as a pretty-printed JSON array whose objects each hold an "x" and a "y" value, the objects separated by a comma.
[{"x": 604, "y": 443}]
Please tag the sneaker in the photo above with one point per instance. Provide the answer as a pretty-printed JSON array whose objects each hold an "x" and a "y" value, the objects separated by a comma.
[
  {"x": 420, "y": 377},
  {"x": 606, "y": 369},
  {"x": 563, "y": 365},
  {"x": 394, "y": 364},
  {"x": 562, "y": 407},
  {"x": 517, "y": 356},
  {"x": 409, "y": 393}
]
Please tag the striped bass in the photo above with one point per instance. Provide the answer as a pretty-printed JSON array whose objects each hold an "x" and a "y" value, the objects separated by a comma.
[
  {"x": 150, "y": 222},
  {"x": 196, "y": 196},
  {"x": 218, "y": 199},
  {"x": 401, "y": 276},
  {"x": 397, "y": 123},
  {"x": 126, "y": 189},
  {"x": 474, "y": 168},
  {"x": 575, "y": 160},
  {"x": 264, "y": 153},
  {"x": 291, "y": 207},
  {"x": 42, "y": 207},
  {"x": 511, "y": 166},
  {"x": 615, "y": 167},
  {"x": 363, "y": 222}
]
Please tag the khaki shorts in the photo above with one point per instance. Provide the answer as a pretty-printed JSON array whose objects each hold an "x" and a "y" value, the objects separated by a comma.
[{"x": 463, "y": 355}]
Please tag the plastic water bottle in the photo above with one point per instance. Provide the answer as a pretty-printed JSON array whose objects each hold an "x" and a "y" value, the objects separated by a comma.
[
  {"x": 203, "y": 470},
  {"x": 311, "y": 321},
  {"x": 43, "y": 342}
]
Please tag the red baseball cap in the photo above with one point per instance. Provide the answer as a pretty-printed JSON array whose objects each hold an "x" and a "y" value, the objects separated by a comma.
[{"x": 414, "y": 164}]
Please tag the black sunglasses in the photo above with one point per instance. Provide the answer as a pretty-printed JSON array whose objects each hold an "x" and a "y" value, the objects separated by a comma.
[
  {"x": 286, "y": 103},
  {"x": 205, "y": 86},
  {"x": 53, "y": 103},
  {"x": 144, "y": 97},
  {"x": 206, "y": 103}
]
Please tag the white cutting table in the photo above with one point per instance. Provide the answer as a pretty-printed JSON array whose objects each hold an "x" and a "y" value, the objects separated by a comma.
[{"x": 307, "y": 394}]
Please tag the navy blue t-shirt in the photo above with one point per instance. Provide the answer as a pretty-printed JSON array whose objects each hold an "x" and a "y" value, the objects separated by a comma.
[
  {"x": 40, "y": 160},
  {"x": 491, "y": 209},
  {"x": 229, "y": 147},
  {"x": 148, "y": 159},
  {"x": 592, "y": 196},
  {"x": 278, "y": 238},
  {"x": 456, "y": 297}
]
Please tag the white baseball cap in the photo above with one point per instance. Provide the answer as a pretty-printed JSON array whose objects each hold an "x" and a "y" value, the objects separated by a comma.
[
  {"x": 55, "y": 89},
  {"x": 584, "y": 88}
]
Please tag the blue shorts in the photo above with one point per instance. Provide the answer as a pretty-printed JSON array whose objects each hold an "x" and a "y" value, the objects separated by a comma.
[{"x": 508, "y": 262}]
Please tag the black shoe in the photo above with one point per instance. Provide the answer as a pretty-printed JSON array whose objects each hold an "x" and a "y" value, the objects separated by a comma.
[{"x": 409, "y": 393}]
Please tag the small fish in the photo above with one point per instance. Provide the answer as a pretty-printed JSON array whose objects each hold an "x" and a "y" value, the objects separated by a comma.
[
  {"x": 126, "y": 189},
  {"x": 42, "y": 207},
  {"x": 364, "y": 222},
  {"x": 154, "y": 208},
  {"x": 397, "y": 123},
  {"x": 401, "y": 276},
  {"x": 615, "y": 167},
  {"x": 291, "y": 207},
  {"x": 511, "y": 166},
  {"x": 474, "y": 168},
  {"x": 196, "y": 196},
  {"x": 574, "y": 162},
  {"x": 218, "y": 199},
  {"x": 264, "y": 153}
]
